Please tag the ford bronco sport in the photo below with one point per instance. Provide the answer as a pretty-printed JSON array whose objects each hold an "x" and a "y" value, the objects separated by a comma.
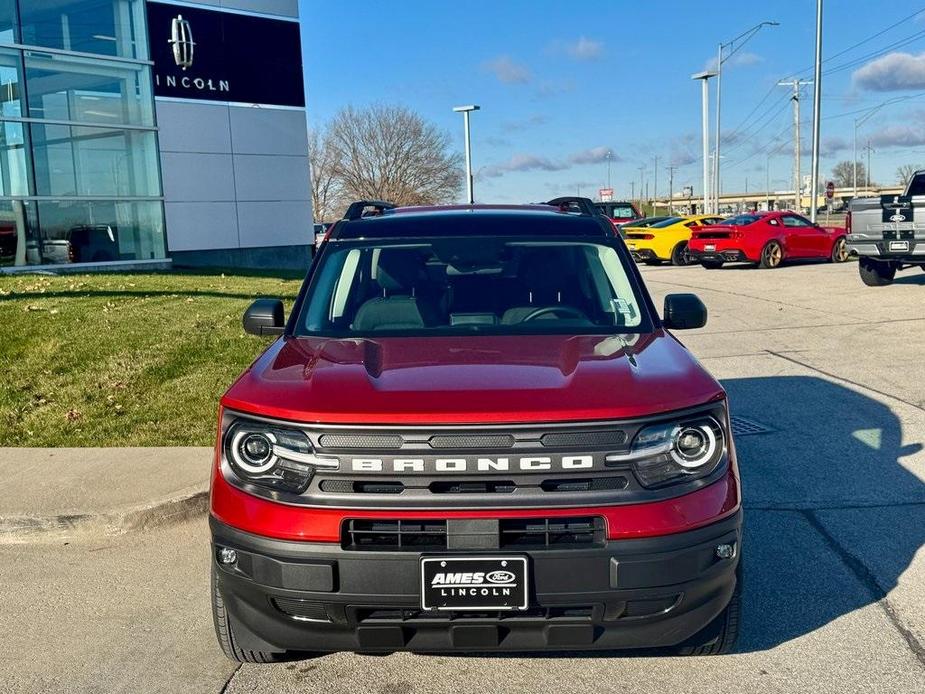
[{"x": 474, "y": 433}]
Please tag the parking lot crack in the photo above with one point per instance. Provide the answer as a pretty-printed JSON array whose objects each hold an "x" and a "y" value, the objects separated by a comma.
[
  {"x": 866, "y": 577},
  {"x": 230, "y": 678}
]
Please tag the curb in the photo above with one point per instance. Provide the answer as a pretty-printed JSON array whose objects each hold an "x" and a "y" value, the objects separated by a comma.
[{"x": 16, "y": 530}]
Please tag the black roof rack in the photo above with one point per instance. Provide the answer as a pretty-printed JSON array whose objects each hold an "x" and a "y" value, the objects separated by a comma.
[
  {"x": 356, "y": 209},
  {"x": 569, "y": 202}
]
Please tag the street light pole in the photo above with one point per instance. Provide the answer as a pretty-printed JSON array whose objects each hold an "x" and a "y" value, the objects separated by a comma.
[
  {"x": 704, "y": 77},
  {"x": 733, "y": 47},
  {"x": 817, "y": 103},
  {"x": 466, "y": 110}
]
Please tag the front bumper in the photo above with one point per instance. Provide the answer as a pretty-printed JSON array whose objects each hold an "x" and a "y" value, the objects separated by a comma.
[{"x": 302, "y": 596}]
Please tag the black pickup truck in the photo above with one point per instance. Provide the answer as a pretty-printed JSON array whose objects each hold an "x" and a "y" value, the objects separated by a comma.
[{"x": 888, "y": 232}]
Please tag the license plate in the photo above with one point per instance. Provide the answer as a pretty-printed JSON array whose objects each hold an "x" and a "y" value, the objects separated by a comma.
[
  {"x": 709, "y": 247},
  {"x": 899, "y": 245},
  {"x": 474, "y": 583}
]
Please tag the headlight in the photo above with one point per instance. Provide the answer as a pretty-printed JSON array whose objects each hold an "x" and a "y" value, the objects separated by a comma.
[
  {"x": 674, "y": 451},
  {"x": 272, "y": 456}
]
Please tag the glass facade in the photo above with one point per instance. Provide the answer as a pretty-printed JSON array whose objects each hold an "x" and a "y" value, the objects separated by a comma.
[{"x": 79, "y": 164}]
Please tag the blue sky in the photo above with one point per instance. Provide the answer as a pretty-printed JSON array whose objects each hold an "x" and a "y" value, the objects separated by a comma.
[{"x": 561, "y": 83}]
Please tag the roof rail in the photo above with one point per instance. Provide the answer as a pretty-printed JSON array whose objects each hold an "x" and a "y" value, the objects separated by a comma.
[
  {"x": 356, "y": 209},
  {"x": 569, "y": 202}
]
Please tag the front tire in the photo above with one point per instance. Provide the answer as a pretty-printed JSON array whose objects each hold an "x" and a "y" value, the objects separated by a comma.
[
  {"x": 840, "y": 251},
  {"x": 719, "y": 636},
  {"x": 876, "y": 274},
  {"x": 771, "y": 255},
  {"x": 680, "y": 255},
  {"x": 224, "y": 632}
]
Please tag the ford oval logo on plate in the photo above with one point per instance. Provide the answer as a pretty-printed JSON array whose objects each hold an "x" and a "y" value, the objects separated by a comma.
[
  {"x": 500, "y": 577},
  {"x": 897, "y": 218}
]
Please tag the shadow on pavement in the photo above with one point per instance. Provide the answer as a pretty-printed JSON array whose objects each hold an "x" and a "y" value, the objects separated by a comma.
[{"x": 832, "y": 449}]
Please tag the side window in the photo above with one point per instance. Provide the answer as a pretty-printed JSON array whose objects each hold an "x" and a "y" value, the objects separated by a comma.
[
  {"x": 794, "y": 221},
  {"x": 773, "y": 222},
  {"x": 692, "y": 225}
]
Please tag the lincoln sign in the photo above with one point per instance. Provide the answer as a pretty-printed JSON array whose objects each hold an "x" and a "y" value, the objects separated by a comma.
[{"x": 213, "y": 55}]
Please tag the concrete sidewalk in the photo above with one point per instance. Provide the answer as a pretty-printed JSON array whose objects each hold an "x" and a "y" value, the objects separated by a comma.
[{"x": 55, "y": 493}]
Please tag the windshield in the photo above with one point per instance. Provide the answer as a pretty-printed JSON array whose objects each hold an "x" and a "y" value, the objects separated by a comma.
[
  {"x": 466, "y": 285},
  {"x": 623, "y": 212},
  {"x": 742, "y": 220},
  {"x": 667, "y": 222}
]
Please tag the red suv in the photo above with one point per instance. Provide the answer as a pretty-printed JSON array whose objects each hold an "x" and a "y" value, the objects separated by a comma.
[{"x": 474, "y": 433}]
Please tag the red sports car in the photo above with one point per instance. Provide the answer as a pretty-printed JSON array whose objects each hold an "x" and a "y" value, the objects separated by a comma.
[{"x": 766, "y": 238}]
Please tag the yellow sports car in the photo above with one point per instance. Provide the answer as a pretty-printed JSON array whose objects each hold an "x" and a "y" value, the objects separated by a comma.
[{"x": 665, "y": 240}]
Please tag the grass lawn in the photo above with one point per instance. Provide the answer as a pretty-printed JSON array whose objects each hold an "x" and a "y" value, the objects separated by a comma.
[{"x": 123, "y": 359}]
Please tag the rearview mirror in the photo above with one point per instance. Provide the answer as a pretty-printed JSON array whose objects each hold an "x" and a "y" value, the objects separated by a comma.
[
  {"x": 265, "y": 317},
  {"x": 684, "y": 311}
]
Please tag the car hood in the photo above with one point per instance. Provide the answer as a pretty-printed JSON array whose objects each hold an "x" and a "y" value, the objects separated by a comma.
[{"x": 472, "y": 379}]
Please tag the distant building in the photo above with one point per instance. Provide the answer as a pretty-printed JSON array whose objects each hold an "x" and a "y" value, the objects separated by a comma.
[{"x": 136, "y": 132}]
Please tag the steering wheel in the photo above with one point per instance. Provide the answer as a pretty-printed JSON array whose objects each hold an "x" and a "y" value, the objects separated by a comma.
[{"x": 561, "y": 311}]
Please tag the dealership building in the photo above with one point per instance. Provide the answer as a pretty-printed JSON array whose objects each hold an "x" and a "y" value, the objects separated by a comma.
[{"x": 138, "y": 133}]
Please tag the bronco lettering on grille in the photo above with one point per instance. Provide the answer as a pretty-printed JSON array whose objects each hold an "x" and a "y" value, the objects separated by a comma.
[{"x": 456, "y": 465}]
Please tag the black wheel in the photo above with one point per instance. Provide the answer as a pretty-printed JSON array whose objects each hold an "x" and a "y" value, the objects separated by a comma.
[
  {"x": 875, "y": 273},
  {"x": 719, "y": 636},
  {"x": 712, "y": 264},
  {"x": 771, "y": 255},
  {"x": 680, "y": 255},
  {"x": 840, "y": 251},
  {"x": 225, "y": 633}
]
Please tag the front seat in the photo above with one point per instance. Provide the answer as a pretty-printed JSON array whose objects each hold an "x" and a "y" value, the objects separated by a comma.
[
  {"x": 398, "y": 274},
  {"x": 543, "y": 273}
]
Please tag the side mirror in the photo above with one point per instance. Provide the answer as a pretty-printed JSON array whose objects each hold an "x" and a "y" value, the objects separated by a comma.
[
  {"x": 265, "y": 317},
  {"x": 684, "y": 311}
]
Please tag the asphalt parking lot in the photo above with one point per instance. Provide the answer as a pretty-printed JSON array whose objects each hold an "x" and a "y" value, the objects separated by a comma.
[{"x": 829, "y": 370}]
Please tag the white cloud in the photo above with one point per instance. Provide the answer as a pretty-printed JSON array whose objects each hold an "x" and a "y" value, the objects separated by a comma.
[
  {"x": 507, "y": 71},
  {"x": 595, "y": 155},
  {"x": 898, "y": 136},
  {"x": 522, "y": 162},
  {"x": 533, "y": 162},
  {"x": 743, "y": 58},
  {"x": 892, "y": 72},
  {"x": 585, "y": 49}
]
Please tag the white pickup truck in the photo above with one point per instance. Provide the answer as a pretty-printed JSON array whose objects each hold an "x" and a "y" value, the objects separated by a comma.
[{"x": 888, "y": 232}]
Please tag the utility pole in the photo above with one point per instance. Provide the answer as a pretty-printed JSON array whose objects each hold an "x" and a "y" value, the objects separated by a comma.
[
  {"x": 642, "y": 170},
  {"x": 797, "y": 180},
  {"x": 869, "y": 150},
  {"x": 655, "y": 186},
  {"x": 817, "y": 106},
  {"x": 632, "y": 190},
  {"x": 670, "y": 170}
]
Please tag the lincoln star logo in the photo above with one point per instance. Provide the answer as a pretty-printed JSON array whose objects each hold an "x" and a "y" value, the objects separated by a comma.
[{"x": 181, "y": 38}]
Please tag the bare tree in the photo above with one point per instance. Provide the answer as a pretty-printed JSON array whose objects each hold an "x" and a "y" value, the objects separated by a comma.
[
  {"x": 904, "y": 173},
  {"x": 391, "y": 153},
  {"x": 843, "y": 174},
  {"x": 327, "y": 199}
]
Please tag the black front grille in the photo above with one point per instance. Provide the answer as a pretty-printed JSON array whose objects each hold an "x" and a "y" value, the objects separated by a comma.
[
  {"x": 372, "y": 615},
  {"x": 394, "y": 535},
  {"x": 350, "y": 441},
  {"x": 474, "y": 487},
  {"x": 514, "y": 533},
  {"x": 474, "y": 441},
  {"x": 581, "y": 440},
  {"x": 552, "y": 533},
  {"x": 586, "y": 484}
]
